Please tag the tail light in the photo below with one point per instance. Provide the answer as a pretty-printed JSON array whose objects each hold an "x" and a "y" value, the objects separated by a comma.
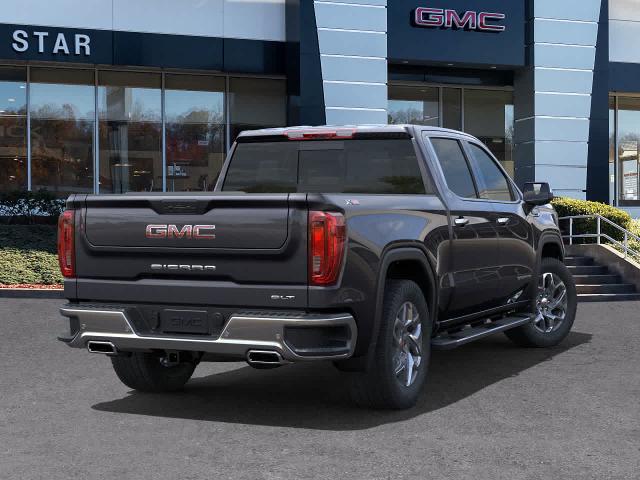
[
  {"x": 66, "y": 248},
  {"x": 327, "y": 234}
]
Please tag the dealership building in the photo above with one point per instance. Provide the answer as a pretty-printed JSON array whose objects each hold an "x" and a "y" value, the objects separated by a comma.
[{"x": 148, "y": 95}]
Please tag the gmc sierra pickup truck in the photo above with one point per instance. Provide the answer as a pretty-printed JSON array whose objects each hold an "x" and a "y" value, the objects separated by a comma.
[{"x": 367, "y": 246}]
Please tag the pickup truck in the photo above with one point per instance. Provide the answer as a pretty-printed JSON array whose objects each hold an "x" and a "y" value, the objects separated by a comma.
[{"x": 367, "y": 246}]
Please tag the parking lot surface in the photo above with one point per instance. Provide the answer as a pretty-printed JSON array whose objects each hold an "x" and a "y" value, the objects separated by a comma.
[{"x": 491, "y": 410}]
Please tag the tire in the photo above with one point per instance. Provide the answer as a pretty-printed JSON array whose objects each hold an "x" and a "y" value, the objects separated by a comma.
[
  {"x": 532, "y": 334},
  {"x": 145, "y": 372},
  {"x": 380, "y": 386}
]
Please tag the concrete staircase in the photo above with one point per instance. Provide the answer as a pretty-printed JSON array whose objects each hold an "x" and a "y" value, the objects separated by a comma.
[{"x": 596, "y": 283}]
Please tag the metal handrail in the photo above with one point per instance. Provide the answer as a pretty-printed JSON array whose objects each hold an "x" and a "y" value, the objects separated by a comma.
[{"x": 599, "y": 235}]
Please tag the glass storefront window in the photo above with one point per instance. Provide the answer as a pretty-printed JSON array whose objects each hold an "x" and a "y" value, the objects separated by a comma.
[
  {"x": 13, "y": 128},
  {"x": 414, "y": 105},
  {"x": 62, "y": 129},
  {"x": 130, "y": 126},
  {"x": 612, "y": 149},
  {"x": 488, "y": 116},
  {"x": 452, "y": 108},
  {"x": 628, "y": 125},
  {"x": 80, "y": 130},
  {"x": 195, "y": 131},
  {"x": 256, "y": 103}
]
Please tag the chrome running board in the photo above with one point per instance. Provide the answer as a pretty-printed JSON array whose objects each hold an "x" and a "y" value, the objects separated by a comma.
[{"x": 447, "y": 341}]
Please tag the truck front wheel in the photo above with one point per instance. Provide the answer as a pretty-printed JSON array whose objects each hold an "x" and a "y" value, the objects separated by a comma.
[
  {"x": 150, "y": 372},
  {"x": 554, "y": 311},
  {"x": 399, "y": 369}
]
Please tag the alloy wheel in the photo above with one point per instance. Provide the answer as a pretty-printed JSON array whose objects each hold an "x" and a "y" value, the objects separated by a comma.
[
  {"x": 407, "y": 342},
  {"x": 551, "y": 303}
]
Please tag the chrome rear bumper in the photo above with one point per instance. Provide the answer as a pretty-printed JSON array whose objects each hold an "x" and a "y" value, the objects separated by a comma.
[{"x": 242, "y": 332}]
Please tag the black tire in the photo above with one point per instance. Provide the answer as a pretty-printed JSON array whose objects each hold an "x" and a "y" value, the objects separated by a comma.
[
  {"x": 528, "y": 335},
  {"x": 144, "y": 372},
  {"x": 379, "y": 386}
]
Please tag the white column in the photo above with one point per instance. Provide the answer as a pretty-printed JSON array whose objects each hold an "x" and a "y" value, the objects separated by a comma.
[
  {"x": 564, "y": 50},
  {"x": 352, "y": 35}
]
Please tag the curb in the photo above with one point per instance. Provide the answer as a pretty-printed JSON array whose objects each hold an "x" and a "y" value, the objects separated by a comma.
[{"x": 30, "y": 293}]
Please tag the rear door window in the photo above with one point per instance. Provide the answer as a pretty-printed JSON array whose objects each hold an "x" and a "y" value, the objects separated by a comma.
[
  {"x": 380, "y": 166},
  {"x": 454, "y": 165},
  {"x": 492, "y": 183}
]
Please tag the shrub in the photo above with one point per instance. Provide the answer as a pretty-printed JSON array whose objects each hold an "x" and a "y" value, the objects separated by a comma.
[
  {"x": 21, "y": 206},
  {"x": 569, "y": 206},
  {"x": 28, "y": 255},
  {"x": 634, "y": 228}
]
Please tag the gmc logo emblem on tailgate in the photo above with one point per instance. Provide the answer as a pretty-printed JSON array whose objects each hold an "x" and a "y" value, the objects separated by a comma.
[{"x": 199, "y": 232}]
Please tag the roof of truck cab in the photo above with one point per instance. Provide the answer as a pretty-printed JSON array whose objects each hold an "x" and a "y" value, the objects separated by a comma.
[{"x": 359, "y": 128}]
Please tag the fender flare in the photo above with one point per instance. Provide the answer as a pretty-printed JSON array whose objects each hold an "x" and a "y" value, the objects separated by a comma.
[
  {"x": 396, "y": 254},
  {"x": 546, "y": 238}
]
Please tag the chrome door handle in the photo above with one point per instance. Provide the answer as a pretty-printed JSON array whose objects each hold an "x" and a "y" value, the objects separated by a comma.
[
  {"x": 461, "y": 222},
  {"x": 503, "y": 221}
]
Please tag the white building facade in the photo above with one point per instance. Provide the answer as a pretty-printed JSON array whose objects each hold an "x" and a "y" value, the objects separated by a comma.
[{"x": 110, "y": 95}]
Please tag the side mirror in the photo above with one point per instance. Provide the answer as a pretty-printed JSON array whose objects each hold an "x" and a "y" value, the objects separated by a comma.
[{"x": 537, "y": 193}]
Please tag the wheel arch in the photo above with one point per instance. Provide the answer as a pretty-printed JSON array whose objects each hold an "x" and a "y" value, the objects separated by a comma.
[
  {"x": 549, "y": 245},
  {"x": 409, "y": 263}
]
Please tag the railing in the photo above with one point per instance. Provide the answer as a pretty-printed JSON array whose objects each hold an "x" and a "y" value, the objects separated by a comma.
[{"x": 600, "y": 235}]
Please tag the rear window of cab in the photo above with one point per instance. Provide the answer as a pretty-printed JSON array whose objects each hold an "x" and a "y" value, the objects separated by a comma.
[{"x": 380, "y": 166}]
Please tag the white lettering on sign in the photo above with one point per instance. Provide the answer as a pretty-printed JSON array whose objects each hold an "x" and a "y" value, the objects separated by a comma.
[
  {"x": 79, "y": 43},
  {"x": 82, "y": 41},
  {"x": 20, "y": 43},
  {"x": 447, "y": 18},
  {"x": 61, "y": 44},
  {"x": 41, "y": 36}
]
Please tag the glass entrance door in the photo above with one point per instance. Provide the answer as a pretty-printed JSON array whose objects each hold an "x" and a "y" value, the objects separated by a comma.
[{"x": 484, "y": 113}]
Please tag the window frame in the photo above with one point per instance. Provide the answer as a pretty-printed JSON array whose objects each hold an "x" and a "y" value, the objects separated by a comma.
[
  {"x": 427, "y": 135},
  {"x": 464, "y": 140},
  {"x": 515, "y": 193}
]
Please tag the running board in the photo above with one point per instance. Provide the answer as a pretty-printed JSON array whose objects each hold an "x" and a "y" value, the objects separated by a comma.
[{"x": 447, "y": 341}]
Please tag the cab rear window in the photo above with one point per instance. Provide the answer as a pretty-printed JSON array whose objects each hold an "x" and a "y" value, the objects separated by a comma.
[{"x": 385, "y": 166}]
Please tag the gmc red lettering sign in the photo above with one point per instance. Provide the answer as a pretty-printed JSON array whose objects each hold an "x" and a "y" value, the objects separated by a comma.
[{"x": 447, "y": 18}]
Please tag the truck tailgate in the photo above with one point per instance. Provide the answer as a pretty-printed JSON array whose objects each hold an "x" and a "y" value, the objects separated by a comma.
[{"x": 212, "y": 248}]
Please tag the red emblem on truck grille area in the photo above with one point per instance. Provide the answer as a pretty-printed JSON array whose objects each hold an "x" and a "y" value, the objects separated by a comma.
[{"x": 198, "y": 232}]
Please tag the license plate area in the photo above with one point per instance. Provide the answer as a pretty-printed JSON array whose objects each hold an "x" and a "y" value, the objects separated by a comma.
[{"x": 191, "y": 322}]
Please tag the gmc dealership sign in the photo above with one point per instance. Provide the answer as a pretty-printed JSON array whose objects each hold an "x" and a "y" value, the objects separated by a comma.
[
  {"x": 472, "y": 34},
  {"x": 469, "y": 20}
]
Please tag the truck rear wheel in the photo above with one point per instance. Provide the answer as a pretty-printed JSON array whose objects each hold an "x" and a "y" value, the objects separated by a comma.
[
  {"x": 149, "y": 372},
  {"x": 399, "y": 370},
  {"x": 555, "y": 308}
]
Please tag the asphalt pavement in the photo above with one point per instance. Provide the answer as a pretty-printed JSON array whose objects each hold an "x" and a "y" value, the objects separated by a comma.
[{"x": 491, "y": 411}]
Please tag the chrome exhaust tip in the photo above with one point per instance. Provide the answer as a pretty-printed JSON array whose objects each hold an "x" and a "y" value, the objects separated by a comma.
[
  {"x": 106, "y": 348},
  {"x": 264, "y": 358}
]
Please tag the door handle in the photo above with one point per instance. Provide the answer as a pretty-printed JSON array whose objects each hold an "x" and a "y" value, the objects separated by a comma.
[
  {"x": 461, "y": 222},
  {"x": 503, "y": 221}
]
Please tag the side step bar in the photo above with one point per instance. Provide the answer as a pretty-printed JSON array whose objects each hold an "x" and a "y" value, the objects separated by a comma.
[{"x": 447, "y": 341}]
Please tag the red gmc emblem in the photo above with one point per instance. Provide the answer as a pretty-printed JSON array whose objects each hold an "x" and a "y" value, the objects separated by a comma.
[
  {"x": 198, "y": 232},
  {"x": 446, "y": 18}
]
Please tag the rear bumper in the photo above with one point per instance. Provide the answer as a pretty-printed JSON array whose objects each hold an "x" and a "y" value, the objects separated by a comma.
[{"x": 289, "y": 334}]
